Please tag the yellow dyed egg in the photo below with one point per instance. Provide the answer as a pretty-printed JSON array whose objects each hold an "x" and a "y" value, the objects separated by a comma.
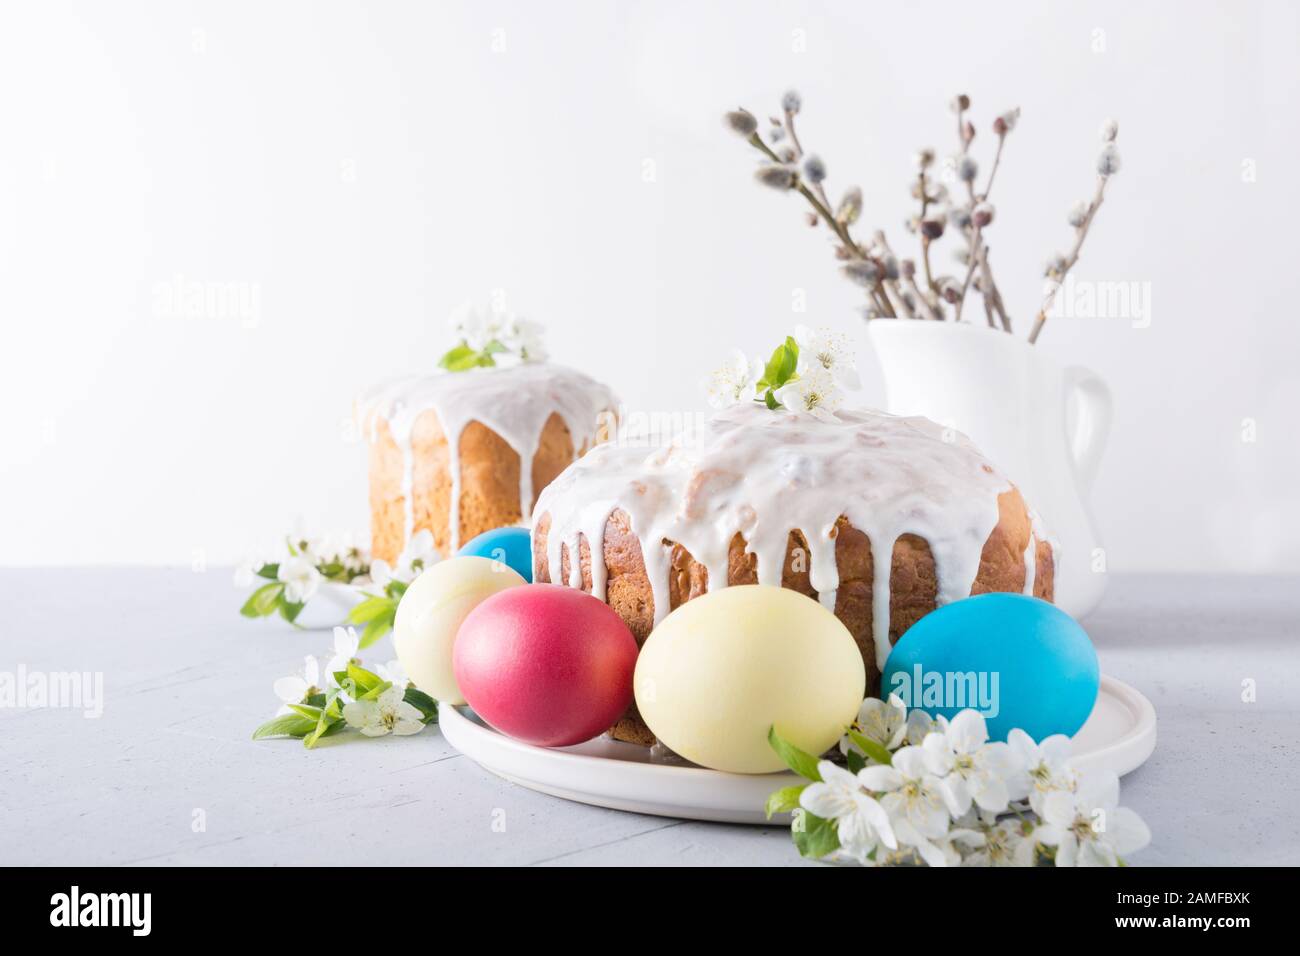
[
  {"x": 431, "y": 611},
  {"x": 725, "y": 667}
]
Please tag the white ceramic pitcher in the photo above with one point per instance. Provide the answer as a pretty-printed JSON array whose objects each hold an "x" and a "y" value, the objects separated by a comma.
[{"x": 1045, "y": 426}]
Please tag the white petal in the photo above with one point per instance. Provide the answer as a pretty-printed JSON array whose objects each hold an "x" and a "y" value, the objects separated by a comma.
[
  {"x": 404, "y": 726},
  {"x": 1126, "y": 831},
  {"x": 956, "y": 795},
  {"x": 880, "y": 778},
  {"x": 938, "y": 754},
  {"x": 910, "y": 762},
  {"x": 375, "y": 730},
  {"x": 1098, "y": 790},
  {"x": 825, "y": 801},
  {"x": 291, "y": 690},
  {"x": 1067, "y": 851},
  {"x": 1058, "y": 809},
  {"x": 992, "y": 794},
  {"x": 968, "y": 732}
]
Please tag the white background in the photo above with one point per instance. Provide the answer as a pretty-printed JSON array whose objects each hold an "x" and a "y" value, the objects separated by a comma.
[{"x": 361, "y": 170}]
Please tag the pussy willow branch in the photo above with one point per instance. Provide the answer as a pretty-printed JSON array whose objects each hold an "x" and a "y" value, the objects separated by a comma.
[
  {"x": 1080, "y": 234},
  {"x": 840, "y": 230},
  {"x": 976, "y": 254}
]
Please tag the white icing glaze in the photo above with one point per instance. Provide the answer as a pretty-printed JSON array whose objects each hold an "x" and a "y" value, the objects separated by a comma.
[
  {"x": 763, "y": 473},
  {"x": 514, "y": 401}
]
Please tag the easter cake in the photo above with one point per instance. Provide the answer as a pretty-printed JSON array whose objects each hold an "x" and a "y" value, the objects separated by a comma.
[
  {"x": 462, "y": 452},
  {"x": 880, "y": 518}
]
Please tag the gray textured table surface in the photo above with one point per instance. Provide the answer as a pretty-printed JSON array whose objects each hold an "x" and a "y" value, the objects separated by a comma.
[{"x": 186, "y": 680}]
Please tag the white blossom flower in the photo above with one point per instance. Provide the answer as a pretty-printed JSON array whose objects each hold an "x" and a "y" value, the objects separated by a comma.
[
  {"x": 388, "y": 714},
  {"x": 881, "y": 721},
  {"x": 1044, "y": 767},
  {"x": 913, "y": 801},
  {"x": 300, "y": 577},
  {"x": 828, "y": 350},
  {"x": 394, "y": 672},
  {"x": 296, "y": 688},
  {"x": 813, "y": 392},
  {"x": 1000, "y": 844},
  {"x": 919, "y": 724},
  {"x": 346, "y": 644},
  {"x": 968, "y": 767},
  {"x": 860, "y": 821},
  {"x": 1088, "y": 827},
  {"x": 735, "y": 381},
  {"x": 246, "y": 572},
  {"x": 418, "y": 555},
  {"x": 475, "y": 327},
  {"x": 522, "y": 337}
]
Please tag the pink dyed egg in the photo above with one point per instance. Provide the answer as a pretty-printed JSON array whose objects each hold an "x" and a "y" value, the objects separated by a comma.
[{"x": 545, "y": 664}]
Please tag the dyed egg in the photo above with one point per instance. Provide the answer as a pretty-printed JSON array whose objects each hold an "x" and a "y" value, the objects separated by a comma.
[
  {"x": 546, "y": 664},
  {"x": 511, "y": 546},
  {"x": 1020, "y": 661},
  {"x": 724, "y": 668},
  {"x": 430, "y": 613}
]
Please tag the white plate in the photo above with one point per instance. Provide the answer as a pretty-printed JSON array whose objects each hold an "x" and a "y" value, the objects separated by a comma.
[{"x": 1119, "y": 735}]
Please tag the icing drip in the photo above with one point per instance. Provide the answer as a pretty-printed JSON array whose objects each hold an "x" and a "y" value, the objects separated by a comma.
[
  {"x": 514, "y": 401},
  {"x": 763, "y": 474},
  {"x": 1031, "y": 565}
]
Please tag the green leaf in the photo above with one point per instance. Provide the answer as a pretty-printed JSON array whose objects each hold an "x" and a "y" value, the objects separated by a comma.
[
  {"x": 286, "y": 725},
  {"x": 805, "y": 765},
  {"x": 462, "y": 358},
  {"x": 855, "y": 761},
  {"x": 370, "y": 609},
  {"x": 290, "y": 610},
  {"x": 780, "y": 367},
  {"x": 375, "y": 630},
  {"x": 784, "y": 800},
  {"x": 871, "y": 748},
  {"x": 395, "y": 590},
  {"x": 307, "y": 711},
  {"x": 364, "y": 680},
  {"x": 329, "y": 717},
  {"x": 770, "y": 400},
  {"x": 422, "y": 702},
  {"x": 269, "y": 571},
  {"x": 374, "y": 692},
  {"x": 263, "y": 601},
  {"x": 814, "y": 836}
]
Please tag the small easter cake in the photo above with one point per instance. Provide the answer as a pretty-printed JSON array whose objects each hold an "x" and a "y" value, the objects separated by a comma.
[
  {"x": 880, "y": 518},
  {"x": 468, "y": 447}
]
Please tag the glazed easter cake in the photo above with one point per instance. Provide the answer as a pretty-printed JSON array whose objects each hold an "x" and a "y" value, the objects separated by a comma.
[
  {"x": 462, "y": 452},
  {"x": 880, "y": 518}
]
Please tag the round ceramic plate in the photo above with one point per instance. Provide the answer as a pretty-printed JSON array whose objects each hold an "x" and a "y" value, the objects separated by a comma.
[{"x": 1119, "y": 735}]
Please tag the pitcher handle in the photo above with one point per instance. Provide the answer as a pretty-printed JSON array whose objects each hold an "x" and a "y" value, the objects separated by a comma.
[{"x": 1092, "y": 425}]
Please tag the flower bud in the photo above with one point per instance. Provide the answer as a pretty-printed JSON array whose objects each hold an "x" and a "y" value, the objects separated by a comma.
[
  {"x": 862, "y": 271},
  {"x": 967, "y": 169},
  {"x": 908, "y": 268},
  {"x": 777, "y": 177},
  {"x": 924, "y": 158},
  {"x": 814, "y": 169},
  {"x": 932, "y": 224},
  {"x": 1006, "y": 122},
  {"x": 850, "y": 206},
  {"x": 792, "y": 101},
  {"x": 959, "y": 217},
  {"x": 959, "y": 103},
  {"x": 1055, "y": 267},
  {"x": 742, "y": 122},
  {"x": 1109, "y": 130},
  {"x": 1108, "y": 160},
  {"x": 949, "y": 289},
  {"x": 1078, "y": 214},
  {"x": 982, "y": 214}
]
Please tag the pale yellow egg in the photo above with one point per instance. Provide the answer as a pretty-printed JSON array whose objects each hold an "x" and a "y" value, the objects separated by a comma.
[
  {"x": 725, "y": 667},
  {"x": 431, "y": 612}
]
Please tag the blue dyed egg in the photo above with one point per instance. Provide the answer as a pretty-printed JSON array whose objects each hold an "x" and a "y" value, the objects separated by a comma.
[
  {"x": 511, "y": 546},
  {"x": 1020, "y": 661}
]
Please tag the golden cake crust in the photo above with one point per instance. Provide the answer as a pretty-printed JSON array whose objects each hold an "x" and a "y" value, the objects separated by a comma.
[
  {"x": 489, "y": 480},
  {"x": 913, "y": 579}
]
